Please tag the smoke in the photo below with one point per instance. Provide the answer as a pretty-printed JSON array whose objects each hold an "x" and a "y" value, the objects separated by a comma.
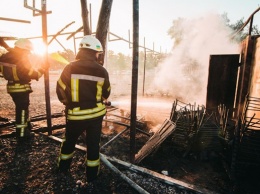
[
  {"x": 184, "y": 74},
  {"x": 151, "y": 109}
]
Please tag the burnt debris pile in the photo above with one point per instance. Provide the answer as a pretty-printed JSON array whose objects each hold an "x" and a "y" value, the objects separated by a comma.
[{"x": 246, "y": 143}]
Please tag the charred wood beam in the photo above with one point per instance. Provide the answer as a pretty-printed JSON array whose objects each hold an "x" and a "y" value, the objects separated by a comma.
[
  {"x": 114, "y": 138},
  {"x": 160, "y": 177},
  {"x": 15, "y": 20},
  {"x": 58, "y": 33}
]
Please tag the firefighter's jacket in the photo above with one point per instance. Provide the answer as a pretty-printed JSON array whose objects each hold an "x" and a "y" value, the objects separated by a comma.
[
  {"x": 82, "y": 87},
  {"x": 18, "y": 70}
]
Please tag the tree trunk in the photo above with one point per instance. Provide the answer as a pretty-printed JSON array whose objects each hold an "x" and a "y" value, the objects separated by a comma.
[
  {"x": 103, "y": 24},
  {"x": 85, "y": 20}
]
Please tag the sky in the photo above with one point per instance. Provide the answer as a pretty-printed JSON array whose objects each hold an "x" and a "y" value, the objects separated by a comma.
[{"x": 155, "y": 19}]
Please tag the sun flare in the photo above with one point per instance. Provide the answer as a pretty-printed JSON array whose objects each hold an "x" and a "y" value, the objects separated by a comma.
[{"x": 39, "y": 48}]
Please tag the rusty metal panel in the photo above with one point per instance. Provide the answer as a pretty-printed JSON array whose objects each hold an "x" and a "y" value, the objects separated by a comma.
[{"x": 222, "y": 81}]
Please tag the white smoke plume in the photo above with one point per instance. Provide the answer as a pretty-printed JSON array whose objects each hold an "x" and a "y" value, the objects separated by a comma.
[{"x": 184, "y": 74}]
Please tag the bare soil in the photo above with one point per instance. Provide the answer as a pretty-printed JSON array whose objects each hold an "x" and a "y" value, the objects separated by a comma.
[{"x": 30, "y": 167}]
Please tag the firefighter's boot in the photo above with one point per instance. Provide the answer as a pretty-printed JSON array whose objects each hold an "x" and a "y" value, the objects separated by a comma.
[{"x": 64, "y": 165}]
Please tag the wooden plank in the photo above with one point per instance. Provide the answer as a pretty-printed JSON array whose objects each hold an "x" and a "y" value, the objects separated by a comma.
[{"x": 165, "y": 130}]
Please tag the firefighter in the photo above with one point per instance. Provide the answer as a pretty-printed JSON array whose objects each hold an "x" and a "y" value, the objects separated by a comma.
[
  {"x": 18, "y": 71},
  {"x": 83, "y": 87}
]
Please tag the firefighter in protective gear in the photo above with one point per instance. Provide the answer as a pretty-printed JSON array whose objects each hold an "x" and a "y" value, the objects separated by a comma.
[
  {"x": 18, "y": 71},
  {"x": 82, "y": 88}
]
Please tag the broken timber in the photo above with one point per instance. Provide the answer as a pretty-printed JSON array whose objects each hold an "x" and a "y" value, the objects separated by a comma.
[
  {"x": 166, "y": 129},
  {"x": 166, "y": 179},
  {"x": 161, "y": 177}
]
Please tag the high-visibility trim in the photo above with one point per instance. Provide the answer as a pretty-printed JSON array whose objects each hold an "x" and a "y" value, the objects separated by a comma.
[
  {"x": 22, "y": 125},
  {"x": 109, "y": 88},
  {"x": 23, "y": 117},
  {"x": 99, "y": 90},
  {"x": 74, "y": 90},
  {"x": 18, "y": 88},
  {"x": 77, "y": 114},
  {"x": 18, "y": 126},
  {"x": 22, "y": 132},
  {"x": 16, "y": 78},
  {"x": 87, "y": 77},
  {"x": 83, "y": 117},
  {"x": 93, "y": 163},
  {"x": 66, "y": 156},
  {"x": 77, "y": 111},
  {"x": 61, "y": 84}
]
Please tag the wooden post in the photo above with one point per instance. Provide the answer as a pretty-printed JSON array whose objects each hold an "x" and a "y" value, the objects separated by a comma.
[
  {"x": 46, "y": 74},
  {"x": 134, "y": 78}
]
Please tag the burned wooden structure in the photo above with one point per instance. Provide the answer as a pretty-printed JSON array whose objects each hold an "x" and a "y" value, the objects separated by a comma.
[{"x": 234, "y": 82}]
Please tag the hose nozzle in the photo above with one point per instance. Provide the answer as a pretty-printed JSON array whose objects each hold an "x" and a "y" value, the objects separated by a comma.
[{"x": 107, "y": 103}]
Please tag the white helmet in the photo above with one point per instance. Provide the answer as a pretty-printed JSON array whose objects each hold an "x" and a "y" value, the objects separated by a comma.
[
  {"x": 90, "y": 42},
  {"x": 24, "y": 43}
]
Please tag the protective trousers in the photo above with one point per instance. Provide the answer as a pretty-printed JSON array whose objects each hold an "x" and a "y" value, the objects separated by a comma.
[
  {"x": 73, "y": 130},
  {"x": 22, "y": 102}
]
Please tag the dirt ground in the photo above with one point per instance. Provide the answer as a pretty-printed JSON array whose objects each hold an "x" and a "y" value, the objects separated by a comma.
[{"x": 30, "y": 167}]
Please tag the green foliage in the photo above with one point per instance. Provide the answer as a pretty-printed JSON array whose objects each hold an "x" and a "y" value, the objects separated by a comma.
[
  {"x": 176, "y": 31},
  {"x": 150, "y": 59},
  {"x": 238, "y": 25},
  {"x": 117, "y": 62}
]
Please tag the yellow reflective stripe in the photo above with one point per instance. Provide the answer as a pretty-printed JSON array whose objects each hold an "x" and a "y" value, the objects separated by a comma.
[
  {"x": 87, "y": 77},
  {"x": 83, "y": 117},
  {"x": 99, "y": 90},
  {"x": 74, "y": 90},
  {"x": 15, "y": 74},
  {"x": 18, "y": 88},
  {"x": 61, "y": 84},
  {"x": 22, "y": 132},
  {"x": 66, "y": 156},
  {"x": 93, "y": 163},
  {"x": 108, "y": 89},
  {"x": 20, "y": 125},
  {"x": 23, "y": 122},
  {"x": 77, "y": 111},
  {"x": 30, "y": 72},
  {"x": 23, "y": 117}
]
